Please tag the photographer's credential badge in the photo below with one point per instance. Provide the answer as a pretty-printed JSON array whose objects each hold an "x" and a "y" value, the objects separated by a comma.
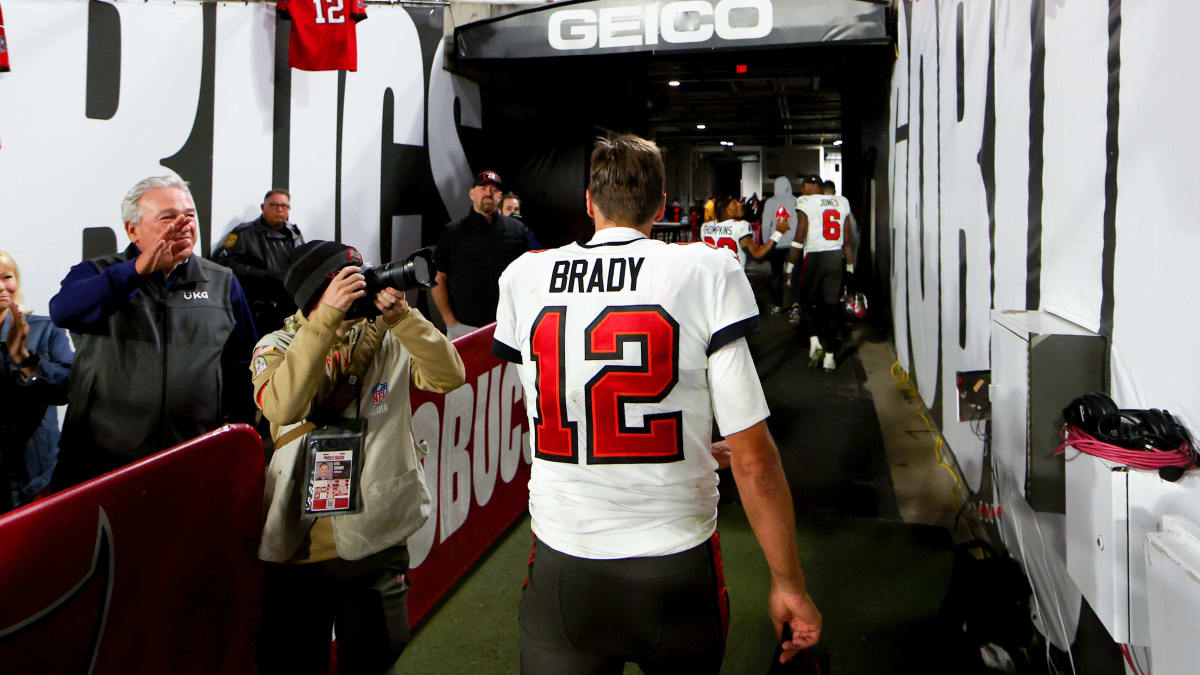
[{"x": 334, "y": 465}]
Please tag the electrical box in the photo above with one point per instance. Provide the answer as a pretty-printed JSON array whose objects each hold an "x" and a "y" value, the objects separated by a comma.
[
  {"x": 1173, "y": 567},
  {"x": 974, "y": 395},
  {"x": 1040, "y": 362},
  {"x": 1110, "y": 511}
]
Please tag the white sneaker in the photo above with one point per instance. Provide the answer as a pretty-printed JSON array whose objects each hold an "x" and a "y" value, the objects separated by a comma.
[
  {"x": 814, "y": 346},
  {"x": 829, "y": 362}
]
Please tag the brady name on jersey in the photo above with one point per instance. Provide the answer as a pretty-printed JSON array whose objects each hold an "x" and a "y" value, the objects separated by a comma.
[{"x": 573, "y": 276}]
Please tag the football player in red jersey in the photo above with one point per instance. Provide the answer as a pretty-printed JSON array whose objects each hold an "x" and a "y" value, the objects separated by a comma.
[{"x": 627, "y": 348}]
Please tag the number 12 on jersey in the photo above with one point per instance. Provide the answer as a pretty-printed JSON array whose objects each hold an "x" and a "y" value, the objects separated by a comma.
[
  {"x": 335, "y": 13},
  {"x": 609, "y": 440}
]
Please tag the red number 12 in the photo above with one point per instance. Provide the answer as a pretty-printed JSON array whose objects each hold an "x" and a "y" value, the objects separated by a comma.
[{"x": 609, "y": 439}]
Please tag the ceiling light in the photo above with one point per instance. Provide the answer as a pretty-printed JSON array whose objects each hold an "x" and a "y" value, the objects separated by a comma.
[
  {"x": 701, "y": 127},
  {"x": 673, "y": 83},
  {"x": 838, "y": 142}
]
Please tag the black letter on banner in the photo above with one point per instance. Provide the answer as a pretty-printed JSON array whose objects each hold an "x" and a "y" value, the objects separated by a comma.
[
  {"x": 1108, "y": 255},
  {"x": 193, "y": 162},
  {"x": 103, "y": 89},
  {"x": 1037, "y": 132}
]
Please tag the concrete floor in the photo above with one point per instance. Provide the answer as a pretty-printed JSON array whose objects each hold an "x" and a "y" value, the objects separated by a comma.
[{"x": 922, "y": 487}]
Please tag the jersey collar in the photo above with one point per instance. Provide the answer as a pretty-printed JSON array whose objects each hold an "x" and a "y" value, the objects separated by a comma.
[{"x": 615, "y": 236}]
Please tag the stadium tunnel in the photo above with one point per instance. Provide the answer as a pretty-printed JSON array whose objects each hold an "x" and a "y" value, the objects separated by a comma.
[
  {"x": 816, "y": 87},
  {"x": 737, "y": 93}
]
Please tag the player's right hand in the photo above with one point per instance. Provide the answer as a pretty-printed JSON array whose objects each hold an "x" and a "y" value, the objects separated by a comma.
[
  {"x": 346, "y": 287},
  {"x": 800, "y": 614},
  {"x": 781, "y": 223}
]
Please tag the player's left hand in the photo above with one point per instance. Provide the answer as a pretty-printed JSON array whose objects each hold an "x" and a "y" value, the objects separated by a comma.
[
  {"x": 392, "y": 303},
  {"x": 721, "y": 453}
]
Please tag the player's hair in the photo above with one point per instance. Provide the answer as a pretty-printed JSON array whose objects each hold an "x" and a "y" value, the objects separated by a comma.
[
  {"x": 7, "y": 261},
  {"x": 276, "y": 191},
  {"x": 131, "y": 208},
  {"x": 627, "y": 179},
  {"x": 723, "y": 205},
  {"x": 507, "y": 196},
  {"x": 828, "y": 185}
]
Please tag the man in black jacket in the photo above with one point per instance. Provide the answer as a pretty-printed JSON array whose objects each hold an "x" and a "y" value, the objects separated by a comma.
[
  {"x": 162, "y": 339},
  {"x": 471, "y": 254},
  {"x": 257, "y": 252}
]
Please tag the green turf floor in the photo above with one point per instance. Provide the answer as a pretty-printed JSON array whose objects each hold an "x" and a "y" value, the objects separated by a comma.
[{"x": 877, "y": 583}]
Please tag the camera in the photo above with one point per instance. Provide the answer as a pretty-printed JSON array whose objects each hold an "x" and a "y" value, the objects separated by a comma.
[{"x": 414, "y": 271}]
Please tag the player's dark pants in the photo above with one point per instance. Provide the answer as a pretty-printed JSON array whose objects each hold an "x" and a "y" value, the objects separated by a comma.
[
  {"x": 820, "y": 287},
  {"x": 777, "y": 257},
  {"x": 366, "y": 598},
  {"x": 669, "y": 614}
]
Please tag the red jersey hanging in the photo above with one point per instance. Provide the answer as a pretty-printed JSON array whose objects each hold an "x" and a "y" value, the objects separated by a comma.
[
  {"x": 3, "y": 46},
  {"x": 323, "y": 33}
]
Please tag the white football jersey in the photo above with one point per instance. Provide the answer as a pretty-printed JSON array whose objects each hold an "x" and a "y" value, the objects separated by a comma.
[
  {"x": 727, "y": 234},
  {"x": 628, "y": 346},
  {"x": 827, "y": 221}
]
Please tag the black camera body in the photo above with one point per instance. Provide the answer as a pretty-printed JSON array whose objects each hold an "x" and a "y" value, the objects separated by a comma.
[{"x": 417, "y": 270}]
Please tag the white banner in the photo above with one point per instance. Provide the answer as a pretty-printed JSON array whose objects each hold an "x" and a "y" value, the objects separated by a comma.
[{"x": 160, "y": 101}]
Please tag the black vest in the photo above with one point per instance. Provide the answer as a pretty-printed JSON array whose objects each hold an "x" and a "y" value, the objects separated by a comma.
[{"x": 148, "y": 376}]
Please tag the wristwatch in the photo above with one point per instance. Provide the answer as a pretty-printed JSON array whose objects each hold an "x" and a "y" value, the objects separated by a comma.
[{"x": 31, "y": 362}]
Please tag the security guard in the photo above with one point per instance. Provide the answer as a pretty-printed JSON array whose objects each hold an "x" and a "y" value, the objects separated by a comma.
[{"x": 257, "y": 252}]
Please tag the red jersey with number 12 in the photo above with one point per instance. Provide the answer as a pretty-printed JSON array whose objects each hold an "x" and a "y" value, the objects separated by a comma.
[
  {"x": 323, "y": 33},
  {"x": 627, "y": 348},
  {"x": 3, "y": 46}
]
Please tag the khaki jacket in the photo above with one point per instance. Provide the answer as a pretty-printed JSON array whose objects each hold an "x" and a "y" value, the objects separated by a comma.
[{"x": 290, "y": 367}]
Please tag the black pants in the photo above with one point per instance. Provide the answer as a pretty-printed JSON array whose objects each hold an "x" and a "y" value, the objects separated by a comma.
[
  {"x": 366, "y": 599},
  {"x": 820, "y": 288},
  {"x": 777, "y": 257},
  {"x": 668, "y": 614}
]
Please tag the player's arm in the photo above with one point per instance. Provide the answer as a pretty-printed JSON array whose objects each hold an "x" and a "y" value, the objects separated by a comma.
[
  {"x": 797, "y": 252},
  {"x": 851, "y": 245},
  {"x": 768, "y": 502}
]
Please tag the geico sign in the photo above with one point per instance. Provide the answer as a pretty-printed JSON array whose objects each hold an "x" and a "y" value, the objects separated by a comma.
[{"x": 677, "y": 22}]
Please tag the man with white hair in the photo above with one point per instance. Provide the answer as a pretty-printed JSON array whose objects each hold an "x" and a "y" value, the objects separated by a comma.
[{"x": 162, "y": 338}]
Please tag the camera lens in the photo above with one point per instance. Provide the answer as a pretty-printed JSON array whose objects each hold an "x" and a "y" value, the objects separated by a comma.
[{"x": 413, "y": 272}]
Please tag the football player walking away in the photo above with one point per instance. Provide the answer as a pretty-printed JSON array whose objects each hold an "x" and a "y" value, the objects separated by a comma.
[
  {"x": 821, "y": 241},
  {"x": 735, "y": 234},
  {"x": 627, "y": 347}
]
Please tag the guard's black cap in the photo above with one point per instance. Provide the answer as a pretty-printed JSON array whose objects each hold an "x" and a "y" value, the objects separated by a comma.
[
  {"x": 484, "y": 177},
  {"x": 312, "y": 265}
]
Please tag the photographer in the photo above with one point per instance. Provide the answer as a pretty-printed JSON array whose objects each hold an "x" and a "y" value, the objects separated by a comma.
[{"x": 302, "y": 377}]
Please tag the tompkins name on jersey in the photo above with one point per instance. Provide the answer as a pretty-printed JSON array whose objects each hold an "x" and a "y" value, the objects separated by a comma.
[
  {"x": 606, "y": 275},
  {"x": 713, "y": 229}
]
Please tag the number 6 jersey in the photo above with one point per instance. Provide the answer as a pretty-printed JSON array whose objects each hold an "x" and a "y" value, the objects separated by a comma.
[
  {"x": 628, "y": 346},
  {"x": 827, "y": 216}
]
